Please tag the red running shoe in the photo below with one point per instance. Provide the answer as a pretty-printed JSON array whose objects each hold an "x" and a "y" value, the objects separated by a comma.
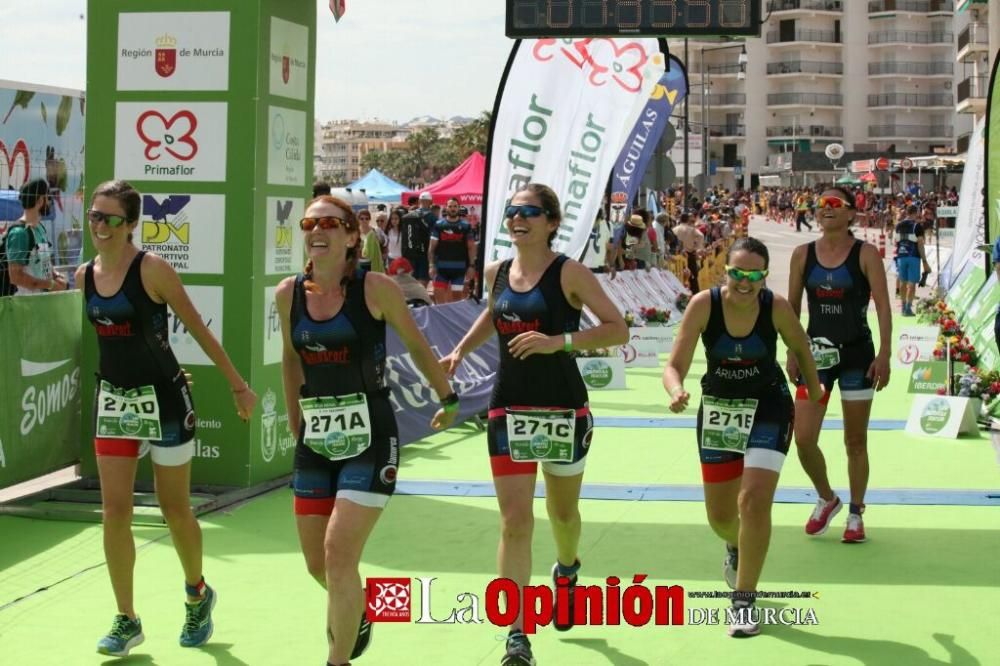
[
  {"x": 821, "y": 516},
  {"x": 855, "y": 532}
]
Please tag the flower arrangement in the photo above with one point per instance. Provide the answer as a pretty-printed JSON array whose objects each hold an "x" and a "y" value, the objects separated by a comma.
[
  {"x": 654, "y": 315},
  {"x": 931, "y": 309},
  {"x": 976, "y": 383},
  {"x": 629, "y": 319},
  {"x": 951, "y": 332},
  {"x": 682, "y": 301}
]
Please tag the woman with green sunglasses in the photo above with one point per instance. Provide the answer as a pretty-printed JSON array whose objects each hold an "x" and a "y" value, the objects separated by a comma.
[
  {"x": 126, "y": 294},
  {"x": 746, "y": 413}
]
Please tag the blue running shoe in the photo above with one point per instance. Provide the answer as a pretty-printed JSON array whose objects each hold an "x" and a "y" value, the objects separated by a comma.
[
  {"x": 198, "y": 620},
  {"x": 125, "y": 634}
]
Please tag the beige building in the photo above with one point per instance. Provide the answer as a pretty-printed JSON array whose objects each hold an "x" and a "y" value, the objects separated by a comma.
[
  {"x": 876, "y": 76},
  {"x": 340, "y": 145}
]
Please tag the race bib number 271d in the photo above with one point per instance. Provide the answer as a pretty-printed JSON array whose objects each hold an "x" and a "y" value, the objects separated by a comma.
[{"x": 128, "y": 413}]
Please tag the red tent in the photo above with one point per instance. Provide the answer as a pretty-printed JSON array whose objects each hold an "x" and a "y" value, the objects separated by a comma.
[
  {"x": 869, "y": 177},
  {"x": 465, "y": 182}
]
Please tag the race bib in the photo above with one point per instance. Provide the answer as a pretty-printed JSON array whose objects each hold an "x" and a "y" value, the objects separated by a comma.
[
  {"x": 338, "y": 427},
  {"x": 825, "y": 353},
  {"x": 726, "y": 424},
  {"x": 541, "y": 434},
  {"x": 128, "y": 413}
]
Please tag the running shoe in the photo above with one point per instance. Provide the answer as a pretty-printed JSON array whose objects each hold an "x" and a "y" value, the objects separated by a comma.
[
  {"x": 743, "y": 621},
  {"x": 821, "y": 516},
  {"x": 855, "y": 532},
  {"x": 518, "y": 651},
  {"x": 571, "y": 590},
  {"x": 198, "y": 620},
  {"x": 364, "y": 639},
  {"x": 730, "y": 565},
  {"x": 125, "y": 634}
]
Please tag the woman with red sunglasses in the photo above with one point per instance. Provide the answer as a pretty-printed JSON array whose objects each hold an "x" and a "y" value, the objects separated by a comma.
[
  {"x": 333, "y": 322},
  {"x": 535, "y": 300},
  {"x": 840, "y": 274},
  {"x": 746, "y": 413}
]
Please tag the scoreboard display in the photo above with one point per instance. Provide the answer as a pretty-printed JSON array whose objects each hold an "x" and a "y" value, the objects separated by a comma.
[{"x": 652, "y": 18}]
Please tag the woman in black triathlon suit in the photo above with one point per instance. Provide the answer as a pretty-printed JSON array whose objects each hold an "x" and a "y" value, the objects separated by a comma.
[
  {"x": 333, "y": 322},
  {"x": 746, "y": 413},
  {"x": 840, "y": 274},
  {"x": 539, "y": 409},
  {"x": 144, "y": 401}
]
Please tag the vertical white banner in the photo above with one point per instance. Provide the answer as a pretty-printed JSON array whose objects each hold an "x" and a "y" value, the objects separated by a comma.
[
  {"x": 567, "y": 108},
  {"x": 970, "y": 224}
]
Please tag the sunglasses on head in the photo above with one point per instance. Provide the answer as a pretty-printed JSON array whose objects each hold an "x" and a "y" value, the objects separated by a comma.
[
  {"x": 739, "y": 274},
  {"x": 96, "y": 216},
  {"x": 832, "y": 202},
  {"x": 327, "y": 222},
  {"x": 525, "y": 211}
]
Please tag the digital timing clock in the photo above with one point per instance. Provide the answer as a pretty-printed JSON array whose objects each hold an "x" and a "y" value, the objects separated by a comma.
[{"x": 654, "y": 18}]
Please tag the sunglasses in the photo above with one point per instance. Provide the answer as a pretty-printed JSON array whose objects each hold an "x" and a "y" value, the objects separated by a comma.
[
  {"x": 96, "y": 216},
  {"x": 832, "y": 202},
  {"x": 328, "y": 222},
  {"x": 525, "y": 211},
  {"x": 739, "y": 274}
]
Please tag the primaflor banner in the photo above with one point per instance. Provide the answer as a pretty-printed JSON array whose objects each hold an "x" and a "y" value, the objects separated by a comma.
[{"x": 565, "y": 109}]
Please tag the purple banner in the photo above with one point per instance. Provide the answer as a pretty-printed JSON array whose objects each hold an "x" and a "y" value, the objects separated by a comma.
[
  {"x": 634, "y": 157},
  {"x": 413, "y": 400}
]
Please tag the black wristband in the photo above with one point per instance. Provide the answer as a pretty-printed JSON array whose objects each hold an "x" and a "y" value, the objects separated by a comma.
[{"x": 450, "y": 399}]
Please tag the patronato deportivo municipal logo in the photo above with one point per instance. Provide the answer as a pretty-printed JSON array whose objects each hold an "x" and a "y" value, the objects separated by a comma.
[
  {"x": 166, "y": 56},
  {"x": 388, "y": 600}
]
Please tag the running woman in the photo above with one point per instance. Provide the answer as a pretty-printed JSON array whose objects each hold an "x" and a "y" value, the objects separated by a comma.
[
  {"x": 840, "y": 274},
  {"x": 333, "y": 322},
  {"x": 144, "y": 401},
  {"x": 746, "y": 414},
  {"x": 539, "y": 409},
  {"x": 451, "y": 254}
]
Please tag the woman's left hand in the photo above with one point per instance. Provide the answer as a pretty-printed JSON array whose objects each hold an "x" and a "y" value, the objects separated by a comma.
[
  {"x": 443, "y": 419},
  {"x": 533, "y": 342},
  {"x": 245, "y": 400}
]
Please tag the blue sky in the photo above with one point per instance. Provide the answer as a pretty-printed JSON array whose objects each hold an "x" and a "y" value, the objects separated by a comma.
[{"x": 392, "y": 59}]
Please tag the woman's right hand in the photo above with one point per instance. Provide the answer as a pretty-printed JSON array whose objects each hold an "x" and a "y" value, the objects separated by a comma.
[
  {"x": 679, "y": 401},
  {"x": 792, "y": 368},
  {"x": 450, "y": 363}
]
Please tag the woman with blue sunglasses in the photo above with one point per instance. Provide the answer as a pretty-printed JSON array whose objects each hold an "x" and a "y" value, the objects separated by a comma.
[
  {"x": 535, "y": 300},
  {"x": 746, "y": 413}
]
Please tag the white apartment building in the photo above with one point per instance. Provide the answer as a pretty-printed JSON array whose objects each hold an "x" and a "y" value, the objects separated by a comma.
[{"x": 880, "y": 77}]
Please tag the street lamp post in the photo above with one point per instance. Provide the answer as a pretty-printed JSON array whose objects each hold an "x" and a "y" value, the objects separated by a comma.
[{"x": 704, "y": 109}]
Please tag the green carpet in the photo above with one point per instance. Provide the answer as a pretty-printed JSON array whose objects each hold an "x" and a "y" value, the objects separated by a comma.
[{"x": 924, "y": 589}]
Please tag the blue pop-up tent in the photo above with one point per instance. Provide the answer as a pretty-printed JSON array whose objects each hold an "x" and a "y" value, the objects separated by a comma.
[
  {"x": 379, "y": 187},
  {"x": 10, "y": 206}
]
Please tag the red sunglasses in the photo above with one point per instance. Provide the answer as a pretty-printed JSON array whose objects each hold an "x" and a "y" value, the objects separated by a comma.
[{"x": 832, "y": 202}]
